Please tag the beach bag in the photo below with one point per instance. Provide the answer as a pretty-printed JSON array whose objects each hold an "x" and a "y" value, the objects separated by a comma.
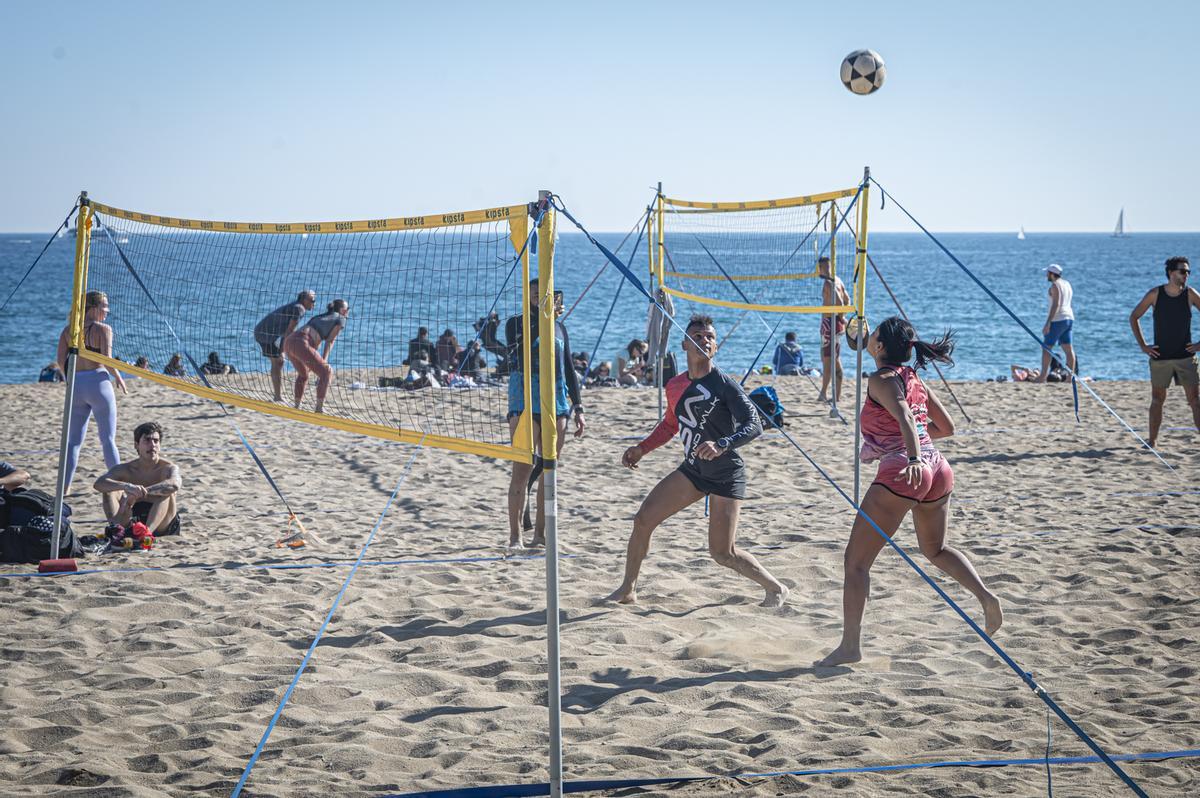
[
  {"x": 768, "y": 404},
  {"x": 30, "y": 543},
  {"x": 18, "y": 507}
]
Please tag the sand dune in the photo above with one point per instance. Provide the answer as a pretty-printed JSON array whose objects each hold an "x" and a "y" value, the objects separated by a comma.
[{"x": 431, "y": 675}]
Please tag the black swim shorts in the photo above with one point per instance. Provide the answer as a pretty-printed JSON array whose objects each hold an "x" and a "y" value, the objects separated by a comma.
[
  {"x": 732, "y": 488},
  {"x": 141, "y": 511}
]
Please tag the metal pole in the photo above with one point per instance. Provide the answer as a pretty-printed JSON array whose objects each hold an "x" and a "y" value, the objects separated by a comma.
[
  {"x": 858, "y": 415},
  {"x": 547, "y": 366},
  {"x": 833, "y": 334},
  {"x": 83, "y": 226},
  {"x": 658, "y": 383},
  {"x": 860, "y": 304}
]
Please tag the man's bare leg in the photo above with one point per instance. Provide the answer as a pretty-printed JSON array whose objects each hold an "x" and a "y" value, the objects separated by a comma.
[
  {"x": 1045, "y": 371},
  {"x": 1158, "y": 396},
  {"x": 517, "y": 489},
  {"x": 1069, "y": 352},
  {"x": 888, "y": 510},
  {"x": 277, "y": 377},
  {"x": 1192, "y": 392},
  {"x": 722, "y": 531},
  {"x": 117, "y": 507},
  {"x": 930, "y": 522},
  {"x": 673, "y": 493},
  {"x": 539, "y": 523},
  {"x": 162, "y": 513}
]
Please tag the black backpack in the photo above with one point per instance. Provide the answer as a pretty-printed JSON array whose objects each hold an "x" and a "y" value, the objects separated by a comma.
[
  {"x": 31, "y": 542},
  {"x": 19, "y": 506}
]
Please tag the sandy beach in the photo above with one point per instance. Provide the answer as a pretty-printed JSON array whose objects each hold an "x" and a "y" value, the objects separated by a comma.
[{"x": 138, "y": 682}]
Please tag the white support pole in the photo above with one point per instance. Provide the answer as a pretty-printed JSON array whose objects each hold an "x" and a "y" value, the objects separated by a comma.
[
  {"x": 547, "y": 366},
  {"x": 60, "y": 489},
  {"x": 858, "y": 414},
  {"x": 83, "y": 226},
  {"x": 658, "y": 358}
]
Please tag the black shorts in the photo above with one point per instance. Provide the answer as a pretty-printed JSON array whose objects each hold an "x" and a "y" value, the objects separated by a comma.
[
  {"x": 269, "y": 344},
  {"x": 141, "y": 511},
  {"x": 734, "y": 487}
]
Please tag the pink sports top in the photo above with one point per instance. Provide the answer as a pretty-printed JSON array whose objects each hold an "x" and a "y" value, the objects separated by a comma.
[{"x": 881, "y": 430}]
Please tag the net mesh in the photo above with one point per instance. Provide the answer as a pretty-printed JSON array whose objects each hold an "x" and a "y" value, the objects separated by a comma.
[
  {"x": 211, "y": 288},
  {"x": 760, "y": 257}
]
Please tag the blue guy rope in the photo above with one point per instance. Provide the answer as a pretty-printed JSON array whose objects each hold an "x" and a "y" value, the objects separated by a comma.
[
  {"x": 1025, "y": 676},
  {"x": 617, "y": 295},
  {"x": 54, "y": 235},
  {"x": 237, "y": 790},
  {"x": 1017, "y": 319}
]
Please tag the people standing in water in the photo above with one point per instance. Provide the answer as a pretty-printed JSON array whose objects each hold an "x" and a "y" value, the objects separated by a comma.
[
  {"x": 94, "y": 393},
  {"x": 833, "y": 292},
  {"x": 1059, "y": 321},
  {"x": 714, "y": 418},
  {"x": 900, "y": 420},
  {"x": 277, "y": 326},
  {"x": 301, "y": 349},
  {"x": 1172, "y": 355},
  {"x": 567, "y": 402}
]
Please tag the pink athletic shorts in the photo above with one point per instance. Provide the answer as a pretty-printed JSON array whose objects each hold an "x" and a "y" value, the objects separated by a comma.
[{"x": 937, "y": 478}]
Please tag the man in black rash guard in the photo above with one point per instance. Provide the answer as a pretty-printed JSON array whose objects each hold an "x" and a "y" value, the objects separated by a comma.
[
  {"x": 566, "y": 386},
  {"x": 713, "y": 417}
]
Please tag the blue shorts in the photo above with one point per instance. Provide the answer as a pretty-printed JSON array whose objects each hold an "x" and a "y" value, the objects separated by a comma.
[
  {"x": 1060, "y": 333},
  {"x": 516, "y": 396}
]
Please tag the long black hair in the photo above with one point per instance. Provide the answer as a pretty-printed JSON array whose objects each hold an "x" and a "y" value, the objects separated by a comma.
[{"x": 899, "y": 340}]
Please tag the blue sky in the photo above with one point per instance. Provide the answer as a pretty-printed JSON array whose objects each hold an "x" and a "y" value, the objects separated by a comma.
[{"x": 1047, "y": 115}]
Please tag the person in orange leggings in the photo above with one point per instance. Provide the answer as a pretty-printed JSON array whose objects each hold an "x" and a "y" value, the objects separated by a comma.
[
  {"x": 301, "y": 350},
  {"x": 900, "y": 420}
]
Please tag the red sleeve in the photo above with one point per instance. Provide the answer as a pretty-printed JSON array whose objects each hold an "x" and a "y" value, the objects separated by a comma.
[{"x": 669, "y": 426}]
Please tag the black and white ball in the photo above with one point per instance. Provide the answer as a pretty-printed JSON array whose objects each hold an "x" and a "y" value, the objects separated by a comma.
[{"x": 863, "y": 71}]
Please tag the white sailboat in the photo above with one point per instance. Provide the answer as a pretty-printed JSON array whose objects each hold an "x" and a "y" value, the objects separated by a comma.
[
  {"x": 1119, "y": 230},
  {"x": 1021, "y": 234}
]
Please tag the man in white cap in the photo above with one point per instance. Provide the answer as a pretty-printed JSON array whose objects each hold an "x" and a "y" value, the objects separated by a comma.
[{"x": 1059, "y": 321}]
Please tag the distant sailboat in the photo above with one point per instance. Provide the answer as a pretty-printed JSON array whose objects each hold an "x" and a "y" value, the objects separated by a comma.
[
  {"x": 1021, "y": 234},
  {"x": 1119, "y": 231}
]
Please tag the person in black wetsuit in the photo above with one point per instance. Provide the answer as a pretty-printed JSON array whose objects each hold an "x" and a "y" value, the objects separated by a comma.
[
  {"x": 566, "y": 387},
  {"x": 1172, "y": 355},
  {"x": 713, "y": 417}
]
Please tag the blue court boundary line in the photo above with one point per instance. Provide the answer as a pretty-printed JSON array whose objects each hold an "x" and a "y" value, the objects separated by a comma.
[
  {"x": 593, "y": 785},
  {"x": 280, "y": 566},
  {"x": 237, "y": 790}
]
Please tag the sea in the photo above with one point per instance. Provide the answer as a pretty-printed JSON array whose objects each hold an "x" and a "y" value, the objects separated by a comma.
[{"x": 1109, "y": 276}]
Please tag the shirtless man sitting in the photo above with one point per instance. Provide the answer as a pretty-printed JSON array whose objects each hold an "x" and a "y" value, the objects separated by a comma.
[{"x": 144, "y": 489}]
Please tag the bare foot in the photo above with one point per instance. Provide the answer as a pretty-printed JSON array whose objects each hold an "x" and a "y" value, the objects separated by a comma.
[
  {"x": 623, "y": 596},
  {"x": 515, "y": 544},
  {"x": 822, "y": 399},
  {"x": 538, "y": 542},
  {"x": 993, "y": 616},
  {"x": 776, "y": 598},
  {"x": 841, "y": 655}
]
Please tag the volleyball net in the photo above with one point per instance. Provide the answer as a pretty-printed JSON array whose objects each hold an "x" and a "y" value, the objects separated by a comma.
[
  {"x": 764, "y": 255},
  {"x": 206, "y": 307}
]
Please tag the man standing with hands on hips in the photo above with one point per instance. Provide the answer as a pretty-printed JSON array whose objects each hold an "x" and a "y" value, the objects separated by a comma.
[
  {"x": 1172, "y": 355},
  {"x": 1059, "y": 321}
]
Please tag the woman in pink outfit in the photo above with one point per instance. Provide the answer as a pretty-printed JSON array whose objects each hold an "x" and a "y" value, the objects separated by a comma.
[
  {"x": 301, "y": 349},
  {"x": 900, "y": 420}
]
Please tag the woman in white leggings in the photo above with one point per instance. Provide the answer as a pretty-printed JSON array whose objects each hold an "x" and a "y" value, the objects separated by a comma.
[{"x": 94, "y": 393}]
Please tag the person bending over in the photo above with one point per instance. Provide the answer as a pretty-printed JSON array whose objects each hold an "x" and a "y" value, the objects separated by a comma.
[
  {"x": 145, "y": 489},
  {"x": 713, "y": 418},
  {"x": 301, "y": 349},
  {"x": 900, "y": 419},
  {"x": 277, "y": 326}
]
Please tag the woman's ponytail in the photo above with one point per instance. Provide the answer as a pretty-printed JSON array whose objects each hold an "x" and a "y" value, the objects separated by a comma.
[{"x": 939, "y": 350}]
